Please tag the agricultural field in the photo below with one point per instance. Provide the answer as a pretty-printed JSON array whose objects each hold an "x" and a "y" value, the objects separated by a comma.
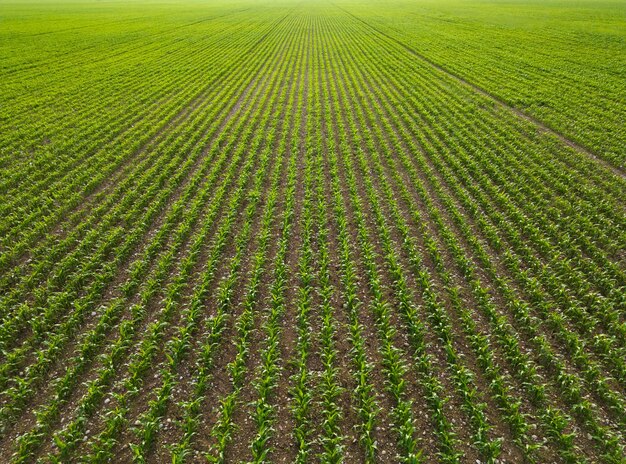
[{"x": 278, "y": 231}]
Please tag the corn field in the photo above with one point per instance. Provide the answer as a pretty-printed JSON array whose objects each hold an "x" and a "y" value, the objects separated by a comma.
[{"x": 327, "y": 232}]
